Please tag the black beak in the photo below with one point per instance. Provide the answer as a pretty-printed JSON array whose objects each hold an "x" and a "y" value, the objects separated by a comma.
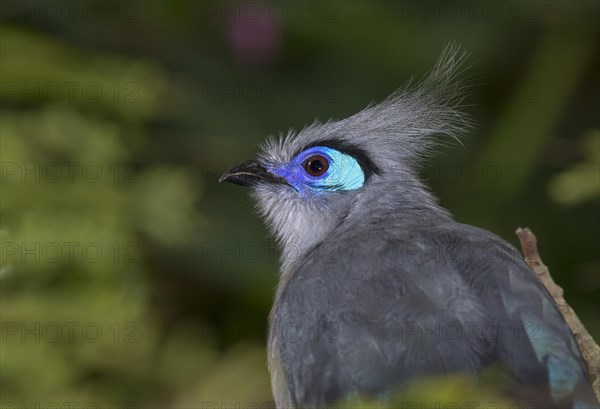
[{"x": 250, "y": 173}]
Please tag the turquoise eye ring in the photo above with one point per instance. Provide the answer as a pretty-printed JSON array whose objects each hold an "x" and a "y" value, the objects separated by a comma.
[{"x": 321, "y": 169}]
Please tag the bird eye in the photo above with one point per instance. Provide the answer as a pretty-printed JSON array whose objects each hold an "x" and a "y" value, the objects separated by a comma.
[
  {"x": 323, "y": 169},
  {"x": 316, "y": 165}
]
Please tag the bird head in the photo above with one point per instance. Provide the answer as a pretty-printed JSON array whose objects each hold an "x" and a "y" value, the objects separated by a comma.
[{"x": 358, "y": 169}]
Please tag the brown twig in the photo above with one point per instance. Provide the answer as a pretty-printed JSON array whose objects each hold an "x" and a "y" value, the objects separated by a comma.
[{"x": 589, "y": 348}]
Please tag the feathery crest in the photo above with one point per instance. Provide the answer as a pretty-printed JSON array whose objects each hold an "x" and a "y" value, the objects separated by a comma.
[{"x": 401, "y": 129}]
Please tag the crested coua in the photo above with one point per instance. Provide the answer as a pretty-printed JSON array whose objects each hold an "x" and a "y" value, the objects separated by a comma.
[{"x": 379, "y": 286}]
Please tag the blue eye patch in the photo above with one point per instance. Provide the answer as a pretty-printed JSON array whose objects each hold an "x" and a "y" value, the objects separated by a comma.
[{"x": 323, "y": 169}]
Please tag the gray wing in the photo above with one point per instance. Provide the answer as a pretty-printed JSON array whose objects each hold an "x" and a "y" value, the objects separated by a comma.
[{"x": 366, "y": 316}]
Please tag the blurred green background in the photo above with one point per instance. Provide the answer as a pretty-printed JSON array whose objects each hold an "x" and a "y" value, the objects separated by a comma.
[{"x": 130, "y": 278}]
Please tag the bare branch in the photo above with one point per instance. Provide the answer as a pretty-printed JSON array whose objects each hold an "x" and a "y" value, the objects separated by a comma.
[{"x": 589, "y": 348}]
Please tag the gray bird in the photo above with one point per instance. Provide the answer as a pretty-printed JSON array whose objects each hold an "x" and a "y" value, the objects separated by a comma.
[{"x": 379, "y": 286}]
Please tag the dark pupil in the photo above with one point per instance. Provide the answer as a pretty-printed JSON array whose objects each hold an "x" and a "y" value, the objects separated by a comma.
[{"x": 317, "y": 165}]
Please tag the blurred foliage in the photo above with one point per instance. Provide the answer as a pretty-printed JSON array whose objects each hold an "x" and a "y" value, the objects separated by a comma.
[
  {"x": 581, "y": 181},
  {"x": 129, "y": 278},
  {"x": 454, "y": 391}
]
